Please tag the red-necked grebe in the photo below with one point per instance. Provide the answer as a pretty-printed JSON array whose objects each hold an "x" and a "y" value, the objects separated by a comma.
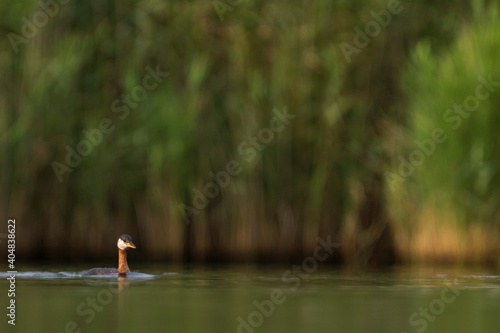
[{"x": 124, "y": 242}]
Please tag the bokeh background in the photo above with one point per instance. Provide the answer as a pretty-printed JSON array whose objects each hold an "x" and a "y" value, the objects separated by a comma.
[{"x": 334, "y": 169}]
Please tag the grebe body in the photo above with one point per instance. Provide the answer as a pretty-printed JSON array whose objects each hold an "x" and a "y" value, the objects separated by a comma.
[{"x": 124, "y": 242}]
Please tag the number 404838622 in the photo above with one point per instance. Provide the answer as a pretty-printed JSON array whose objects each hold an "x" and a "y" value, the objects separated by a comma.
[{"x": 11, "y": 243}]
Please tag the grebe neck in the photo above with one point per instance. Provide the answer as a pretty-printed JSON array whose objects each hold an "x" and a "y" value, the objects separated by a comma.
[{"x": 122, "y": 262}]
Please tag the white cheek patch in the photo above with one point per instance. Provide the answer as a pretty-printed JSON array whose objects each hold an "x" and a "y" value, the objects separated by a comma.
[{"x": 121, "y": 244}]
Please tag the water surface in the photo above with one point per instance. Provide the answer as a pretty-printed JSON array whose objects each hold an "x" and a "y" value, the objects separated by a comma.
[{"x": 255, "y": 299}]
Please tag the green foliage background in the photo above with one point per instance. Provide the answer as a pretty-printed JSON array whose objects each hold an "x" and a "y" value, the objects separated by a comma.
[
  {"x": 323, "y": 174},
  {"x": 462, "y": 174}
]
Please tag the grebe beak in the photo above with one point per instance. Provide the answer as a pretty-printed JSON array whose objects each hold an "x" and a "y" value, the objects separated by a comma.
[{"x": 130, "y": 244}]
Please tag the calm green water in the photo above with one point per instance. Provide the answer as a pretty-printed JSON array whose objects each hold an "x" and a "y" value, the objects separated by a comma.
[{"x": 228, "y": 300}]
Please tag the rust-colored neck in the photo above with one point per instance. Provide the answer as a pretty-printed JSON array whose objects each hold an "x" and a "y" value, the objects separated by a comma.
[{"x": 122, "y": 262}]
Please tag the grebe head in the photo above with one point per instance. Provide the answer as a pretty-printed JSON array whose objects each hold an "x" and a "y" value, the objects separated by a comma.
[{"x": 124, "y": 242}]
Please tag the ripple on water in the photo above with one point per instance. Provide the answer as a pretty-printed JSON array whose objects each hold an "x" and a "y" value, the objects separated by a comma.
[{"x": 74, "y": 275}]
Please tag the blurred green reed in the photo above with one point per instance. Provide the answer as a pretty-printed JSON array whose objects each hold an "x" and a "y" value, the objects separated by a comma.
[{"x": 324, "y": 173}]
